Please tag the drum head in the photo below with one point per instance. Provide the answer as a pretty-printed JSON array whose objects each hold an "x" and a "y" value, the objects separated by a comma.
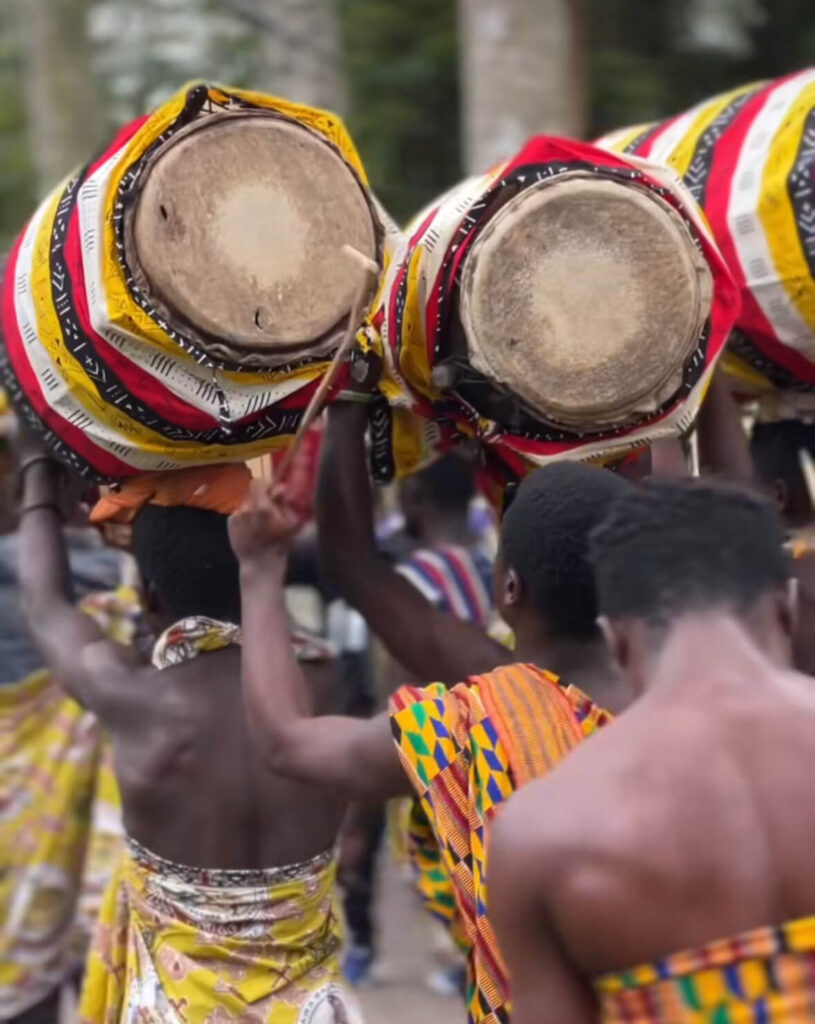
[
  {"x": 238, "y": 232},
  {"x": 585, "y": 297}
]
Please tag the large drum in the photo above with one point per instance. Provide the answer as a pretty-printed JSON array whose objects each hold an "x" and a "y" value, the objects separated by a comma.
[
  {"x": 177, "y": 301},
  {"x": 568, "y": 304},
  {"x": 748, "y": 158}
]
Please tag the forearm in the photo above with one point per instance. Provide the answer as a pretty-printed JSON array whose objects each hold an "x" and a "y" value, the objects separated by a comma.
[
  {"x": 274, "y": 687},
  {"x": 723, "y": 445},
  {"x": 45, "y": 574},
  {"x": 345, "y": 514},
  {"x": 58, "y": 629}
]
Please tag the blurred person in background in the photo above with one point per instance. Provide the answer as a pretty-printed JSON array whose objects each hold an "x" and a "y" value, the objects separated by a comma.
[{"x": 59, "y": 820}]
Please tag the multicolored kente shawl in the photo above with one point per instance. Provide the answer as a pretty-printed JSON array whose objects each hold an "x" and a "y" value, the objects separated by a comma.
[{"x": 465, "y": 751}]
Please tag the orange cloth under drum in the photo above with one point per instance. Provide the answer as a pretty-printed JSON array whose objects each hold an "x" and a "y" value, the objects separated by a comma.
[{"x": 214, "y": 488}]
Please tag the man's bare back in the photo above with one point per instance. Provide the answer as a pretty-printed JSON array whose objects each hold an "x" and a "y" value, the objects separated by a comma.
[
  {"x": 671, "y": 809},
  {"x": 193, "y": 789}
]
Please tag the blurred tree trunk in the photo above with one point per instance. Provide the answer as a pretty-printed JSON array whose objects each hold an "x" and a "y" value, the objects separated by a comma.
[
  {"x": 302, "y": 53},
  {"x": 64, "y": 107},
  {"x": 522, "y": 73}
]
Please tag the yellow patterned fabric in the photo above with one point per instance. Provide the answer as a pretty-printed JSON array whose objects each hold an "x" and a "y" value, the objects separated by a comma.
[
  {"x": 200, "y": 946},
  {"x": 766, "y": 976},
  {"x": 60, "y": 823},
  {"x": 49, "y": 756}
]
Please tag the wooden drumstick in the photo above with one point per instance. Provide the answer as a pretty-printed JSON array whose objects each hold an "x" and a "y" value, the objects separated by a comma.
[{"x": 315, "y": 406}]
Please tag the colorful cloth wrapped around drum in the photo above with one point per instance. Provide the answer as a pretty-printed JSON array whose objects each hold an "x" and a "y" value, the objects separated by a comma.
[
  {"x": 748, "y": 159},
  {"x": 177, "y": 301},
  {"x": 567, "y": 304}
]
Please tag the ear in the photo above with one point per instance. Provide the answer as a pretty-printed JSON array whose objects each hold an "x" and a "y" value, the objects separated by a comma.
[
  {"x": 512, "y": 589},
  {"x": 780, "y": 494},
  {"x": 616, "y": 641},
  {"x": 788, "y": 608}
]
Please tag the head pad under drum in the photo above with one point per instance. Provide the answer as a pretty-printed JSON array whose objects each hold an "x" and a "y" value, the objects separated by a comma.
[
  {"x": 237, "y": 232},
  {"x": 585, "y": 297}
]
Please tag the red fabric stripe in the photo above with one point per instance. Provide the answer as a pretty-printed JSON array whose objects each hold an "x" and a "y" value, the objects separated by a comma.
[
  {"x": 646, "y": 148},
  {"x": 143, "y": 385},
  {"x": 106, "y": 463},
  {"x": 466, "y": 570}
]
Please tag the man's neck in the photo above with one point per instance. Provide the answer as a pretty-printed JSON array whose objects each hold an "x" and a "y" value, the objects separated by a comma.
[
  {"x": 731, "y": 655},
  {"x": 581, "y": 663}
]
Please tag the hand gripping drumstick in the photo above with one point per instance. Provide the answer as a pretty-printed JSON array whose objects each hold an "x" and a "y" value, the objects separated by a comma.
[{"x": 315, "y": 406}]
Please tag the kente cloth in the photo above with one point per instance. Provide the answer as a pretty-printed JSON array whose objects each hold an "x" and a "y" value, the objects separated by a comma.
[
  {"x": 184, "y": 945},
  {"x": 117, "y": 388},
  {"x": 60, "y": 823},
  {"x": 748, "y": 159},
  {"x": 219, "y": 489},
  {"x": 465, "y": 750},
  {"x": 412, "y": 317},
  {"x": 199, "y": 634},
  {"x": 765, "y": 976}
]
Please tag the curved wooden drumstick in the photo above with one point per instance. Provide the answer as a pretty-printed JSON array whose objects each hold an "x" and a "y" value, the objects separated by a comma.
[{"x": 315, "y": 406}]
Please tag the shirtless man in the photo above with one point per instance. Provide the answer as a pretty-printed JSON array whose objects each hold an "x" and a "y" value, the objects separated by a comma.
[
  {"x": 680, "y": 838},
  {"x": 216, "y": 845}
]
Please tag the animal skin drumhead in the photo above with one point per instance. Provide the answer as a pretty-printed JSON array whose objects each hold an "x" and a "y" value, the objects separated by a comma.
[
  {"x": 239, "y": 227},
  {"x": 585, "y": 297}
]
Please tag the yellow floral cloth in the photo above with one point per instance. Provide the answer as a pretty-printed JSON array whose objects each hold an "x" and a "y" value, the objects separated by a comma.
[
  {"x": 60, "y": 823},
  {"x": 49, "y": 755},
  {"x": 199, "y": 946}
]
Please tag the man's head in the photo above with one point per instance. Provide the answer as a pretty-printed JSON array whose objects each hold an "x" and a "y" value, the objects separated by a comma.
[
  {"x": 777, "y": 451},
  {"x": 544, "y": 582},
  {"x": 187, "y": 563},
  {"x": 673, "y": 549},
  {"x": 442, "y": 491}
]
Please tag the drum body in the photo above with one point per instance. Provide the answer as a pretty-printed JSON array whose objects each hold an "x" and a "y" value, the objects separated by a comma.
[
  {"x": 748, "y": 159},
  {"x": 177, "y": 301},
  {"x": 568, "y": 304}
]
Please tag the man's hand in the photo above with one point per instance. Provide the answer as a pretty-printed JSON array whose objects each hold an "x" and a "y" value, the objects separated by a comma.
[{"x": 265, "y": 524}]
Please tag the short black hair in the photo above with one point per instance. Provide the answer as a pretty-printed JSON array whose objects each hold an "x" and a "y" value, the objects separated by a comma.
[
  {"x": 675, "y": 546},
  {"x": 185, "y": 555},
  {"x": 545, "y": 539},
  {"x": 775, "y": 449},
  {"x": 449, "y": 483}
]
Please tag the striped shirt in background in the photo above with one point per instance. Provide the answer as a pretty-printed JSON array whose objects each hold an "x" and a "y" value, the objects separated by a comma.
[{"x": 457, "y": 580}]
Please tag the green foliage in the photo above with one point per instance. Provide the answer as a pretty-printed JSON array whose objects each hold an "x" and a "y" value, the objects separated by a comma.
[
  {"x": 17, "y": 186},
  {"x": 402, "y": 67}
]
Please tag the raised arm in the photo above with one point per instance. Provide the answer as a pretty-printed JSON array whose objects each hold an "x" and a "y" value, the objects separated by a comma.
[
  {"x": 723, "y": 445},
  {"x": 94, "y": 671},
  {"x": 355, "y": 758},
  {"x": 427, "y": 643}
]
